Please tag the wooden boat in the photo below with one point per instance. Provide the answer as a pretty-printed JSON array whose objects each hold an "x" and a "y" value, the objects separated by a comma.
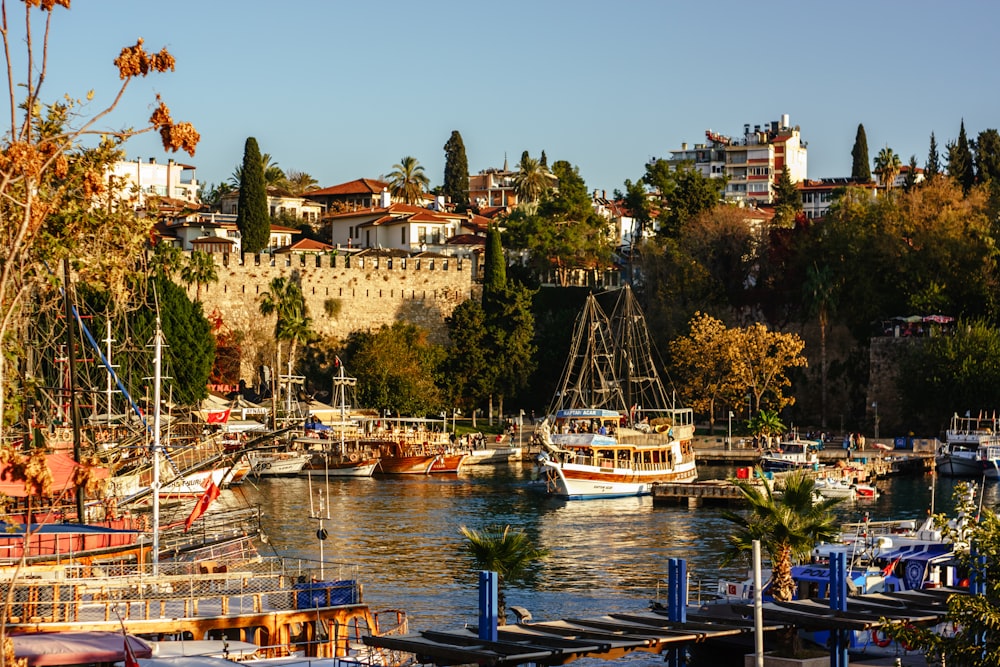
[
  {"x": 449, "y": 462},
  {"x": 276, "y": 463},
  {"x": 393, "y": 460},
  {"x": 615, "y": 432},
  {"x": 283, "y": 607},
  {"x": 328, "y": 460}
]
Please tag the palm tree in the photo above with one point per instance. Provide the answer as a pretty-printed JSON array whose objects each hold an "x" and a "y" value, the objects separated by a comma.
[
  {"x": 408, "y": 180},
  {"x": 299, "y": 182},
  {"x": 787, "y": 526},
  {"x": 820, "y": 291},
  {"x": 274, "y": 177},
  {"x": 766, "y": 424},
  {"x": 503, "y": 550},
  {"x": 887, "y": 165},
  {"x": 292, "y": 323},
  {"x": 166, "y": 259},
  {"x": 531, "y": 180},
  {"x": 200, "y": 270}
]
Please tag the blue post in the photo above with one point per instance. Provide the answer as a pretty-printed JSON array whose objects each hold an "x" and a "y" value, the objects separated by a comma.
[
  {"x": 488, "y": 606},
  {"x": 676, "y": 604},
  {"x": 838, "y": 602}
]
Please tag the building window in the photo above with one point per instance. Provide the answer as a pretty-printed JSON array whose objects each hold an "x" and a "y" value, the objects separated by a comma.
[
  {"x": 402, "y": 235},
  {"x": 422, "y": 234}
]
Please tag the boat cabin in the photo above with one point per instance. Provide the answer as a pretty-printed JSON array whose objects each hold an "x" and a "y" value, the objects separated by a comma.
[{"x": 601, "y": 422}]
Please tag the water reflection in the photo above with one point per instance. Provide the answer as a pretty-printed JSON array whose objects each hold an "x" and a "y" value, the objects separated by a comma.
[{"x": 606, "y": 555}]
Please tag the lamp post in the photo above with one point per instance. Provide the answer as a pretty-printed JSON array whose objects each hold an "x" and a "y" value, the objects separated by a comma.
[
  {"x": 875, "y": 405},
  {"x": 729, "y": 438}
]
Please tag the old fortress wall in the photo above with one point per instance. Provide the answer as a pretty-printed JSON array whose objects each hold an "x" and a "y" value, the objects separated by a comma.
[{"x": 343, "y": 293}]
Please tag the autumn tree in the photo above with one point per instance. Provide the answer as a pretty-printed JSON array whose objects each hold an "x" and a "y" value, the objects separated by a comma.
[
  {"x": 456, "y": 172},
  {"x": 761, "y": 361},
  {"x": 252, "y": 214},
  {"x": 861, "y": 171},
  {"x": 703, "y": 366},
  {"x": 53, "y": 183}
]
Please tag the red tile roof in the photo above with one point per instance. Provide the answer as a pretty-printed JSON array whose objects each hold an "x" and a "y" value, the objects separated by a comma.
[{"x": 355, "y": 187}]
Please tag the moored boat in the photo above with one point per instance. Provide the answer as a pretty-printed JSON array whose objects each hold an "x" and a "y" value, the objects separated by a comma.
[
  {"x": 971, "y": 448},
  {"x": 449, "y": 462},
  {"x": 614, "y": 431},
  {"x": 791, "y": 454},
  {"x": 275, "y": 463},
  {"x": 282, "y": 607}
]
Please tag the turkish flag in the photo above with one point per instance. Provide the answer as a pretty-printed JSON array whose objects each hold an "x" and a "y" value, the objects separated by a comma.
[
  {"x": 218, "y": 417},
  {"x": 211, "y": 493},
  {"x": 130, "y": 660}
]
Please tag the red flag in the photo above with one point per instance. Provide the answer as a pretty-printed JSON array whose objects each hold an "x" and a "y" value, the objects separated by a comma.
[
  {"x": 218, "y": 417},
  {"x": 130, "y": 660},
  {"x": 211, "y": 493}
]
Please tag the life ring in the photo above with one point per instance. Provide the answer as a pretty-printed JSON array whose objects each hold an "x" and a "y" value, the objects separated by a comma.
[
  {"x": 906, "y": 645},
  {"x": 880, "y": 639},
  {"x": 354, "y": 458}
]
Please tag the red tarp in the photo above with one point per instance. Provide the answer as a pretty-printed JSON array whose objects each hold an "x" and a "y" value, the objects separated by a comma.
[{"x": 62, "y": 467}]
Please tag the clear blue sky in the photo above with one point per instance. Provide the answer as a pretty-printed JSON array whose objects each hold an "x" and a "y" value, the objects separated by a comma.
[{"x": 344, "y": 90}]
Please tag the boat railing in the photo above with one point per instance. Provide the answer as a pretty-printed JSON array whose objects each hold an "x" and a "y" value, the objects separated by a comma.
[{"x": 95, "y": 594}]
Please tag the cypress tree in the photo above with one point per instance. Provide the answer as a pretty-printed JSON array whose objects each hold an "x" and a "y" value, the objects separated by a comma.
[
  {"x": 252, "y": 218},
  {"x": 911, "y": 174},
  {"x": 988, "y": 156},
  {"x": 494, "y": 270},
  {"x": 933, "y": 166},
  {"x": 456, "y": 172},
  {"x": 543, "y": 162},
  {"x": 960, "y": 166},
  {"x": 861, "y": 171}
]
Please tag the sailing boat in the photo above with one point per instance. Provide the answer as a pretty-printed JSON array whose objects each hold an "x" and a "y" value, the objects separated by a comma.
[
  {"x": 338, "y": 459},
  {"x": 615, "y": 432}
]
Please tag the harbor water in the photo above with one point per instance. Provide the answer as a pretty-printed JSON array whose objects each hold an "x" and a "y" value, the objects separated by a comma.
[{"x": 403, "y": 535}]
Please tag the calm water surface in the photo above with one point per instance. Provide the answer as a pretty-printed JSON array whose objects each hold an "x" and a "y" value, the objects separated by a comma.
[{"x": 403, "y": 535}]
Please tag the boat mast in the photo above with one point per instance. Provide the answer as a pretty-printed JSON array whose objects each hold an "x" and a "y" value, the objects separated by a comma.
[
  {"x": 74, "y": 410},
  {"x": 157, "y": 376}
]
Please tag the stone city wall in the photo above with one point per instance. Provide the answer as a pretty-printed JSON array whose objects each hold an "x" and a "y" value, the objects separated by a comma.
[{"x": 343, "y": 293}]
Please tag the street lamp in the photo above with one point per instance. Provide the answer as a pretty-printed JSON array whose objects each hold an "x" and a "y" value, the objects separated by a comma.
[
  {"x": 875, "y": 405},
  {"x": 729, "y": 440}
]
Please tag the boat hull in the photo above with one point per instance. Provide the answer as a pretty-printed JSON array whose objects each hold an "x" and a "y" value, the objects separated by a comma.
[
  {"x": 584, "y": 482},
  {"x": 952, "y": 465},
  {"x": 494, "y": 456},
  {"x": 340, "y": 466},
  {"x": 406, "y": 465},
  {"x": 449, "y": 463},
  {"x": 278, "y": 465}
]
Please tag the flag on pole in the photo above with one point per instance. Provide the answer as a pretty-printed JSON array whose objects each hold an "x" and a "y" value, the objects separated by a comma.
[
  {"x": 130, "y": 660},
  {"x": 211, "y": 493},
  {"x": 221, "y": 417}
]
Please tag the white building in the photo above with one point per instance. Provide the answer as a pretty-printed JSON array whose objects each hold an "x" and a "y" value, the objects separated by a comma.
[
  {"x": 752, "y": 163},
  {"x": 142, "y": 180}
]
